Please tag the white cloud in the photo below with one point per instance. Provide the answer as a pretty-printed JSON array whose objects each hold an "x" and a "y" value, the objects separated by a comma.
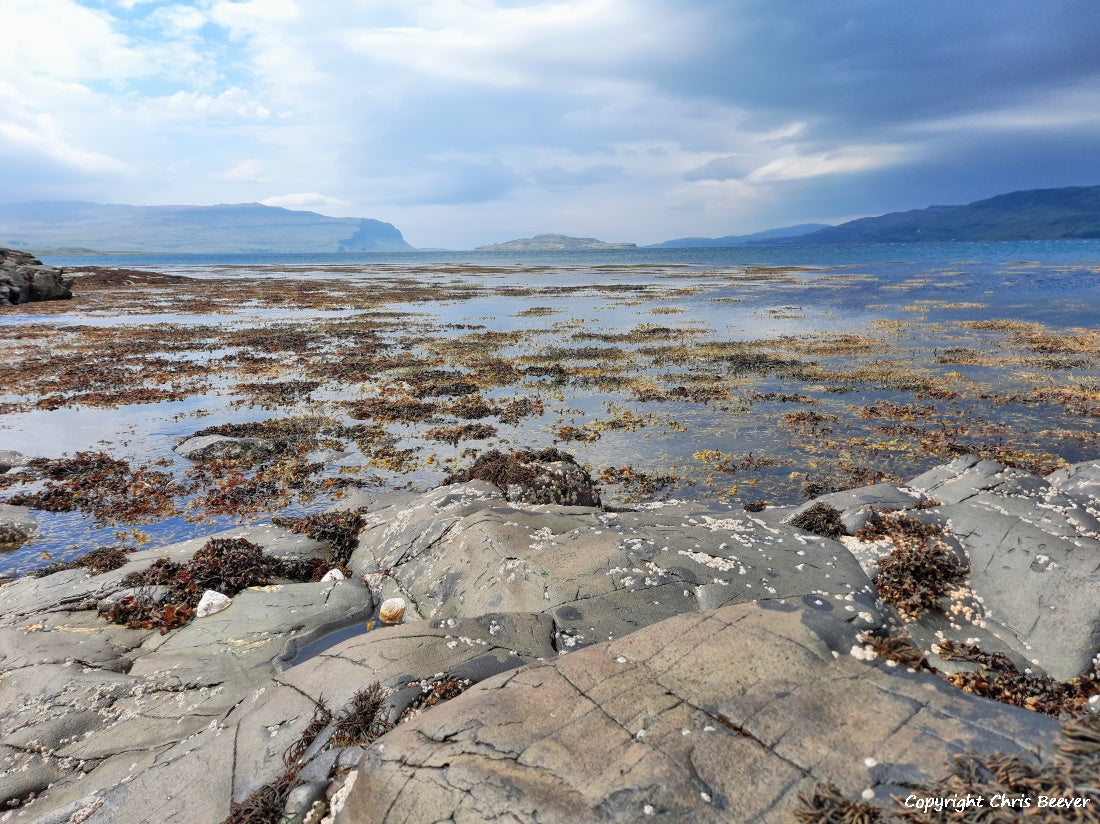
[
  {"x": 314, "y": 201},
  {"x": 41, "y": 138},
  {"x": 845, "y": 160},
  {"x": 63, "y": 39},
  {"x": 247, "y": 171},
  {"x": 234, "y": 102}
]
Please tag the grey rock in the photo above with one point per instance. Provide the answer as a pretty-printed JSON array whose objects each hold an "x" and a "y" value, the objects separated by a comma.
[
  {"x": 855, "y": 505},
  {"x": 1033, "y": 546},
  {"x": 224, "y": 448},
  {"x": 24, "y": 278},
  {"x": 459, "y": 551},
  {"x": 731, "y": 727},
  {"x": 9, "y": 459},
  {"x": 1080, "y": 480},
  {"x": 16, "y": 524}
]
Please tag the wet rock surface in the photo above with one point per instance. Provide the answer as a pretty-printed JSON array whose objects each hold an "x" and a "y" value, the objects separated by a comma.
[
  {"x": 16, "y": 524},
  {"x": 24, "y": 278},
  {"x": 552, "y": 663}
]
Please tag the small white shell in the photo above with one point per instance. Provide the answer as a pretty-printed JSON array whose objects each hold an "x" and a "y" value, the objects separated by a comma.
[
  {"x": 211, "y": 602},
  {"x": 392, "y": 610}
]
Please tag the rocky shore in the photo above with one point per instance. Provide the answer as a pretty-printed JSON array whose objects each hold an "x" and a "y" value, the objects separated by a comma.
[
  {"x": 676, "y": 662},
  {"x": 24, "y": 278}
]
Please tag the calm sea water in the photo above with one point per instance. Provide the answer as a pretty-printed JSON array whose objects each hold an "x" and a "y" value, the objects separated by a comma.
[{"x": 1040, "y": 251}]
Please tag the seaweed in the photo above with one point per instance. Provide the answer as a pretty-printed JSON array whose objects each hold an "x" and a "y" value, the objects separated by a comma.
[
  {"x": 225, "y": 565},
  {"x": 98, "y": 561},
  {"x": 998, "y": 678},
  {"x": 340, "y": 529},
  {"x": 362, "y": 720},
  {"x": 820, "y": 519}
]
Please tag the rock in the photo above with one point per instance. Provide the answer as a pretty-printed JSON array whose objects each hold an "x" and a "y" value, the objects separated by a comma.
[
  {"x": 1033, "y": 545},
  {"x": 855, "y": 505},
  {"x": 714, "y": 667},
  {"x": 333, "y": 575},
  {"x": 545, "y": 477},
  {"x": 24, "y": 278},
  {"x": 730, "y": 726},
  {"x": 16, "y": 524},
  {"x": 1079, "y": 480},
  {"x": 211, "y": 603},
  {"x": 461, "y": 551},
  {"x": 10, "y": 459},
  {"x": 223, "y": 448}
]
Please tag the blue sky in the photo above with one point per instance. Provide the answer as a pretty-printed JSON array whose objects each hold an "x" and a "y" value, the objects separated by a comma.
[{"x": 472, "y": 121}]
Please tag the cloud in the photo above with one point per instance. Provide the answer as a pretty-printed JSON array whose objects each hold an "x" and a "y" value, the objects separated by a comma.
[
  {"x": 314, "y": 201},
  {"x": 695, "y": 117},
  {"x": 557, "y": 177},
  {"x": 729, "y": 167},
  {"x": 250, "y": 171}
]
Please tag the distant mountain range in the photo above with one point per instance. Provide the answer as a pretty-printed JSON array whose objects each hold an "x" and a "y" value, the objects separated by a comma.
[
  {"x": 244, "y": 227},
  {"x": 556, "y": 243},
  {"x": 1038, "y": 214},
  {"x": 740, "y": 240}
]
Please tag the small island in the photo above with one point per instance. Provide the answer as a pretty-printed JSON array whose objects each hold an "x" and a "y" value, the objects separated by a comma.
[{"x": 556, "y": 243}]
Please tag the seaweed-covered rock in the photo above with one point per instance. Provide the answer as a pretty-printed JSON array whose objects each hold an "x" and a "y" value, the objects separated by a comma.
[
  {"x": 224, "y": 448},
  {"x": 24, "y": 278},
  {"x": 548, "y": 476}
]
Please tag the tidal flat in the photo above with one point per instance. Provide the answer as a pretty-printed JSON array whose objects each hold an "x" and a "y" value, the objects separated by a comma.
[{"x": 748, "y": 385}]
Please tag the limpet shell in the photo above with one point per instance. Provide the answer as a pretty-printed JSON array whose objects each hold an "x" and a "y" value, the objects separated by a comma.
[{"x": 392, "y": 610}]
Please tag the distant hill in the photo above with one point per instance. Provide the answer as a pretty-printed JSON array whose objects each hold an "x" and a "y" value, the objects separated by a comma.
[
  {"x": 739, "y": 240},
  {"x": 540, "y": 243},
  {"x": 1037, "y": 214},
  {"x": 242, "y": 227}
]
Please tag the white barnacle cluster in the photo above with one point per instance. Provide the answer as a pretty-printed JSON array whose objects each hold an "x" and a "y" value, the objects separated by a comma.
[
  {"x": 714, "y": 561},
  {"x": 863, "y": 652}
]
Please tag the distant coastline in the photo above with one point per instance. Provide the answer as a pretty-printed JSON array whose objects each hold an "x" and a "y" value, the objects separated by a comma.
[{"x": 552, "y": 243}]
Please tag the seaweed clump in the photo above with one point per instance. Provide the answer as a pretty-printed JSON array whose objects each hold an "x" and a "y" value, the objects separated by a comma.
[
  {"x": 998, "y": 678},
  {"x": 548, "y": 476},
  {"x": 919, "y": 570},
  {"x": 820, "y": 519},
  {"x": 101, "y": 486},
  {"x": 97, "y": 562},
  {"x": 225, "y": 565},
  {"x": 362, "y": 720},
  {"x": 340, "y": 529},
  {"x": 825, "y": 804}
]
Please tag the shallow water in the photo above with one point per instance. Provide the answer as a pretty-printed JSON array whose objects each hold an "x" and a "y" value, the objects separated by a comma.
[{"x": 993, "y": 354}]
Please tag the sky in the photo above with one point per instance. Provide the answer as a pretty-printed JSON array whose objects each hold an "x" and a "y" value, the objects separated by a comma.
[{"x": 466, "y": 122}]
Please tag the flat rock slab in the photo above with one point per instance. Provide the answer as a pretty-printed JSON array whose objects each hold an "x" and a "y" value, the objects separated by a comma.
[
  {"x": 462, "y": 551},
  {"x": 730, "y": 726}
]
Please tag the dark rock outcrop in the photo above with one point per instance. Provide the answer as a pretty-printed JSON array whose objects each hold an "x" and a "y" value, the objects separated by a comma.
[{"x": 24, "y": 278}]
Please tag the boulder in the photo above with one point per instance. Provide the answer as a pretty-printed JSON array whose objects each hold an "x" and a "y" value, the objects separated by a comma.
[
  {"x": 9, "y": 459},
  {"x": 554, "y": 663},
  {"x": 224, "y": 448},
  {"x": 16, "y": 524},
  {"x": 24, "y": 278}
]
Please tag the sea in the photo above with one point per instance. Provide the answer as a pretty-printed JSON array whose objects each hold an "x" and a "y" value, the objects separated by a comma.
[{"x": 823, "y": 255}]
